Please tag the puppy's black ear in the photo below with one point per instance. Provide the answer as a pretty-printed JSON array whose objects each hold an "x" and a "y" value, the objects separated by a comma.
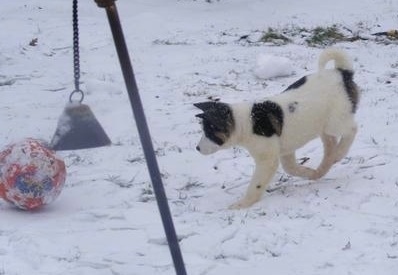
[
  {"x": 200, "y": 115},
  {"x": 204, "y": 106}
]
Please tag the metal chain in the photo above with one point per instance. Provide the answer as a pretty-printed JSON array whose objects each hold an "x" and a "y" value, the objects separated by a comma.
[{"x": 76, "y": 55}]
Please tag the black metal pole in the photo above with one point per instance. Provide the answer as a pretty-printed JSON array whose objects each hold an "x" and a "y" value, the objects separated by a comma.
[{"x": 144, "y": 134}]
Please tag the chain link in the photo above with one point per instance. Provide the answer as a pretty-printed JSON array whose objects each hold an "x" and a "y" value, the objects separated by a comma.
[
  {"x": 76, "y": 93},
  {"x": 76, "y": 55}
]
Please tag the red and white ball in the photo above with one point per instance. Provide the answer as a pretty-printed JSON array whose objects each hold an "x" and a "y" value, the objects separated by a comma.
[{"x": 31, "y": 175}]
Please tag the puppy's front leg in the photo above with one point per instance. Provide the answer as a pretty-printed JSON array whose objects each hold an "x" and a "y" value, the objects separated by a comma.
[{"x": 265, "y": 169}]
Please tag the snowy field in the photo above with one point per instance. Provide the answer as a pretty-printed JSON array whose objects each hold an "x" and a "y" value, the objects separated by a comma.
[{"x": 106, "y": 220}]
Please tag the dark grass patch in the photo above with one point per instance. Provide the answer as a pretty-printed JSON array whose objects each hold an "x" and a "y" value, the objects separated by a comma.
[
  {"x": 325, "y": 36},
  {"x": 275, "y": 37},
  {"x": 314, "y": 37}
]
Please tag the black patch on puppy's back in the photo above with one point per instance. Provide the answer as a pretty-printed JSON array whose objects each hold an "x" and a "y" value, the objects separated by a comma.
[
  {"x": 350, "y": 88},
  {"x": 296, "y": 84},
  {"x": 267, "y": 119}
]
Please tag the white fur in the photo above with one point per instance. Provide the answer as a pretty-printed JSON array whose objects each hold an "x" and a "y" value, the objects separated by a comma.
[
  {"x": 323, "y": 110},
  {"x": 207, "y": 147}
]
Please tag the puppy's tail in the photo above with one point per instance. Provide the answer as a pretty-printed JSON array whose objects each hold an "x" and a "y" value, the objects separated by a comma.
[{"x": 341, "y": 60}]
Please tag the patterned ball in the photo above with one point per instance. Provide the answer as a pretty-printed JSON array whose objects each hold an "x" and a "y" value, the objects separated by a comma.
[{"x": 31, "y": 175}]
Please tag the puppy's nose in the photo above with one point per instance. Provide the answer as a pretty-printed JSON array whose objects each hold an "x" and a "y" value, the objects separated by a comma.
[{"x": 198, "y": 148}]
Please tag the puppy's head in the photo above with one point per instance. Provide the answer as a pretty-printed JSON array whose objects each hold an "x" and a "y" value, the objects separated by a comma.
[{"x": 218, "y": 125}]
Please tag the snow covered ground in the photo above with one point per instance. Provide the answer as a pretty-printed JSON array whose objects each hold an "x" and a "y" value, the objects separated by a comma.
[{"x": 106, "y": 220}]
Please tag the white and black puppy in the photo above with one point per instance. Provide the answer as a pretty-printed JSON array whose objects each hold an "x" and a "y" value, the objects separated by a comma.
[{"x": 318, "y": 105}]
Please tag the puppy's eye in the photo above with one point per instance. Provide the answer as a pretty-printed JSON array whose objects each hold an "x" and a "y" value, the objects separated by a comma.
[{"x": 221, "y": 136}]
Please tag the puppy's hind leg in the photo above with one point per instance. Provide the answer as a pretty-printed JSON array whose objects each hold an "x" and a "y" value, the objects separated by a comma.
[
  {"x": 291, "y": 167},
  {"x": 329, "y": 149},
  {"x": 345, "y": 143},
  {"x": 333, "y": 151}
]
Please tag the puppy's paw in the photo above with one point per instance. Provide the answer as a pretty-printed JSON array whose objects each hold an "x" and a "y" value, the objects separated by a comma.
[
  {"x": 319, "y": 173},
  {"x": 243, "y": 203},
  {"x": 315, "y": 175}
]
